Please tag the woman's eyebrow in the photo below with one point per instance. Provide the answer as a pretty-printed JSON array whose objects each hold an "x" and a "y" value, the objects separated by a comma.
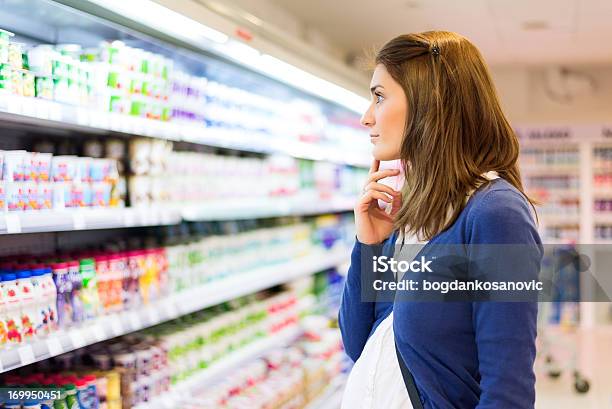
[{"x": 373, "y": 87}]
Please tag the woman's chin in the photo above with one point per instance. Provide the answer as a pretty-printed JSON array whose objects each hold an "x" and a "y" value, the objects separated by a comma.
[{"x": 383, "y": 155}]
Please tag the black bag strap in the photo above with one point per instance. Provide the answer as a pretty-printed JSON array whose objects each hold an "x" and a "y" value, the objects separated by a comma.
[{"x": 413, "y": 393}]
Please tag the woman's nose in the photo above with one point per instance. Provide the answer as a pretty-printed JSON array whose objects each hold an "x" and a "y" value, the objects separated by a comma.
[{"x": 367, "y": 119}]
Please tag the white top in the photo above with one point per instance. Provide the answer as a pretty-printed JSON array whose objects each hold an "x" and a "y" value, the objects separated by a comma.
[{"x": 376, "y": 381}]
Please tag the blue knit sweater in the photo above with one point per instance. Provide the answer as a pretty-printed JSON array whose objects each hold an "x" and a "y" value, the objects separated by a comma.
[{"x": 461, "y": 354}]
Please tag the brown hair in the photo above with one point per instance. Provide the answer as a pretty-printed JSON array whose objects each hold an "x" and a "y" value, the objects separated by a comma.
[{"x": 455, "y": 128}]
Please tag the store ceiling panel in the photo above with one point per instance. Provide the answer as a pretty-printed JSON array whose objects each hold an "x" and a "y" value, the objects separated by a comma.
[{"x": 507, "y": 31}]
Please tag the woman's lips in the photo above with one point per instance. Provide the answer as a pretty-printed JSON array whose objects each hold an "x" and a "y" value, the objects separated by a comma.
[{"x": 373, "y": 138}]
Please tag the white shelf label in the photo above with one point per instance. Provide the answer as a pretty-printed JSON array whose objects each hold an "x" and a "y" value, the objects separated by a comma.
[
  {"x": 99, "y": 333},
  {"x": 55, "y": 346},
  {"x": 29, "y": 109},
  {"x": 116, "y": 326},
  {"x": 172, "y": 310},
  {"x": 42, "y": 109},
  {"x": 13, "y": 223},
  {"x": 129, "y": 220},
  {"x": 153, "y": 316},
  {"x": 135, "y": 321},
  {"x": 77, "y": 339},
  {"x": 14, "y": 105},
  {"x": 78, "y": 221},
  {"x": 26, "y": 355}
]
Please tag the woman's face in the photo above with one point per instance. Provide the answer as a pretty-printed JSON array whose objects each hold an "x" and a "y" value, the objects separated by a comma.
[{"x": 386, "y": 116}]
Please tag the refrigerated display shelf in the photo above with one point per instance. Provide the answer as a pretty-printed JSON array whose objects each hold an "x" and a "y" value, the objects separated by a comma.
[
  {"x": 603, "y": 217},
  {"x": 549, "y": 219},
  {"x": 550, "y": 170},
  {"x": 40, "y": 113},
  {"x": 215, "y": 210},
  {"x": 602, "y": 192},
  {"x": 220, "y": 368},
  {"x": 86, "y": 219},
  {"x": 171, "y": 307},
  {"x": 235, "y": 209}
]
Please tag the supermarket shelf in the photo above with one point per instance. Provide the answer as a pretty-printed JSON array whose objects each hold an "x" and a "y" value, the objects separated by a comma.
[
  {"x": 555, "y": 193},
  {"x": 220, "y": 368},
  {"x": 91, "y": 219},
  {"x": 331, "y": 398},
  {"x": 559, "y": 219},
  {"x": 604, "y": 193},
  {"x": 602, "y": 218},
  {"x": 171, "y": 307},
  {"x": 266, "y": 207},
  {"x": 39, "y": 113},
  {"x": 85, "y": 219},
  {"x": 546, "y": 170}
]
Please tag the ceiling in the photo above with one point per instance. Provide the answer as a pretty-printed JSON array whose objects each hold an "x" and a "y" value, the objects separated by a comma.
[{"x": 506, "y": 31}]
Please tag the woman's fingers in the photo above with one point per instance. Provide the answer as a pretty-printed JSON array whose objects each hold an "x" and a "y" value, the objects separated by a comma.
[
  {"x": 381, "y": 188},
  {"x": 381, "y": 174},
  {"x": 372, "y": 195}
]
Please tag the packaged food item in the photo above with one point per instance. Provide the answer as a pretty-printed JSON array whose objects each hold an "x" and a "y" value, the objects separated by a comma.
[
  {"x": 16, "y": 82},
  {"x": 63, "y": 283},
  {"x": 74, "y": 273},
  {"x": 41, "y": 59},
  {"x": 3, "y": 206},
  {"x": 43, "y": 87},
  {"x": 89, "y": 293},
  {"x": 49, "y": 291},
  {"x": 101, "y": 194},
  {"x": 14, "y": 166},
  {"x": 12, "y": 317},
  {"x": 63, "y": 168},
  {"x": 45, "y": 195},
  {"x": 84, "y": 168},
  {"x": 41, "y": 166},
  {"x": 41, "y": 321},
  {"x": 28, "y": 307},
  {"x": 4, "y": 46},
  {"x": 71, "y": 396},
  {"x": 28, "y": 84},
  {"x": 12, "y": 404},
  {"x": 32, "y": 197},
  {"x": 61, "y": 195},
  {"x": 15, "y": 57}
]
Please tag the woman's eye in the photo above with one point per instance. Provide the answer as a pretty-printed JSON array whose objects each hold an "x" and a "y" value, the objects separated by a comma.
[{"x": 379, "y": 98}]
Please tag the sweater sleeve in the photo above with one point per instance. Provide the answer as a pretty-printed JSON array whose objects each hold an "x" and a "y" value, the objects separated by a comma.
[
  {"x": 356, "y": 317},
  {"x": 505, "y": 331}
]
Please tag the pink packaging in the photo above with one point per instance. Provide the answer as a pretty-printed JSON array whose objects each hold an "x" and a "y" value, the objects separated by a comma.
[
  {"x": 40, "y": 166},
  {"x": 15, "y": 196},
  {"x": 2, "y": 197},
  {"x": 13, "y": 169},
  {"x": 63, "y": 168},
  {"x": 45, "y": 195},
  {"x": 31, "y": 196}
]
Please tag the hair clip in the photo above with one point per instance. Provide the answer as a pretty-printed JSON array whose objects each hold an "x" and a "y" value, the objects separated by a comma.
[{"x": 435, "y": 50}]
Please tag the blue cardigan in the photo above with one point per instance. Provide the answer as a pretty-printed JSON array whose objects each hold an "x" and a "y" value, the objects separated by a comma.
[{"x": 461, "y": 354}]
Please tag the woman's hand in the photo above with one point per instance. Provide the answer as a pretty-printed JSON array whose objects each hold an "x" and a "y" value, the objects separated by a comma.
[{"x": 373, "y": 224}]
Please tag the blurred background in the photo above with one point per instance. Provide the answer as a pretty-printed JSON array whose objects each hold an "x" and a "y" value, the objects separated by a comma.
[{"x": 178, "y": 180}]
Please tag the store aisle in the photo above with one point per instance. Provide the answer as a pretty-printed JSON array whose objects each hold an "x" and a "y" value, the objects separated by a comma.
[{"x": 595, "y": 362}]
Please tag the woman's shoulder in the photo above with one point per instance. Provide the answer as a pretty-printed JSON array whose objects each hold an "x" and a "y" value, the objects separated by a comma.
[{"x": 501, "y": 210}]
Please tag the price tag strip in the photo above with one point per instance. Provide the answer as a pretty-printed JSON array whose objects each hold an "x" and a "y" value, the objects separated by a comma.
[
  {"x": 54, "y": 346},
  {"x": 26, "y": 355}
]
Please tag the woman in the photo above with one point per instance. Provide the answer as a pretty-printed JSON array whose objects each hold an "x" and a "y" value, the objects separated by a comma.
[{"x": 434, "y": 107}]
